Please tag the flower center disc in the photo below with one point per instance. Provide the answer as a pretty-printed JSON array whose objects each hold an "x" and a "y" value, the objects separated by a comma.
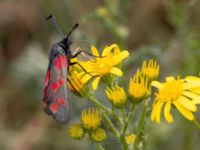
[
  {"x": 102, "y": 66},
  {"x": 171, "y": 90}
]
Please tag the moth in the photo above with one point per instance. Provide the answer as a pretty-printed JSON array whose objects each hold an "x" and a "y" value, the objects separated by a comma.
[{"x": 55, "y": 98}]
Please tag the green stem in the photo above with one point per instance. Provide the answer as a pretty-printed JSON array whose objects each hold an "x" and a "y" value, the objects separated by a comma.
[
  {"x": 123, "y": 142},
  {"x": 141, "y": 126},
  {"x": 130, "y": 117},
  {"x": 99, "y": 146},
  {"x": 116, "y": 117},
  {"x": 99, "y": 105},
  {"x": 123, "y": 115},
  {"x": 196, "y": 123},
  {"x": 126, "y": 121},
  {"x": 110, "y": 124}
]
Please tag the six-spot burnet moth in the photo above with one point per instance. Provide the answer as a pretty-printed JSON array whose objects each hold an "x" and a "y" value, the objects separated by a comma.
[{"x": 55, "y": 98}]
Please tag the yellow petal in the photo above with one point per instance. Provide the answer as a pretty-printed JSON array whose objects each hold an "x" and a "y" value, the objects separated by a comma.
[
  {"x": 190, "y": 94},
  {"x": 119, "y": 57},
  {"x": 158, "y": 110},
  {"x": 187, "y": 103},
  {"x": 188, "y": 86},
  {"x": 195, "y": 90},
  {"x": 170, "y": 78},
  {"x": 84, "y": 64},
  {"x": 94, "y": 51},
  {"x": 73, "y": 60},
  {"x": 196, "y": 100},
  {"x": 116, "y": 71},
  {"x": 108, "y": 93},
  {"x": 192, "y": 78},
  {"x": 186, "y": 113},
  {"x": 167, "y": 114},
  {"x": 95, "y": 83},
  {"x": 156, "y": 84},
  {"x": 153, "y": 113},
  {"x": 192, "y": 82},
  {"x": 108, "y": 49},
  {"x": 116, "y": 49},
  {"x": 86, "y": 77}
]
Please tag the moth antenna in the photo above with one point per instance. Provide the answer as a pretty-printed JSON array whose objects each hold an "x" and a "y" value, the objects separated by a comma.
[
  {"x": 73, "y": 28},
  {"x": 53, "y": 19}
]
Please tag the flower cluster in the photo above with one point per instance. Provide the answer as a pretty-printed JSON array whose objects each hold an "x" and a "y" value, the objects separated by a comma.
[
  {"x": 76, "y": 131},
  {"x": 90, "y": 118},
  {"x": 90, "y": 123},
  {"x": 178, "y": 93}
]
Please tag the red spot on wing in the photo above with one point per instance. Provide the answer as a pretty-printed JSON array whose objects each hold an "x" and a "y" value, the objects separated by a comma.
[
  {"x": 64, "y": 61},
  {"x": 54, "y": 107},
  {"x": 61, "y": 82},
  {"x": 54, "y": 86},
  {"x": 57, "y": 63},
  {"x": 60, "y": 61},
  {"x": 62, "y": 101}
]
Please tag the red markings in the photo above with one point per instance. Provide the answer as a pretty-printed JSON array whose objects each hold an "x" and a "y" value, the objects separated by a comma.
[
  {"x": 54, "y": 107},
  {"x": 61, "y": 82},
  {"x": 64, "y": 61},
  {"x": 61, "y": 61},
  {"x": 54, "y": 86},
  {"x": 62, "y": 101},
  {"x": 58, "y": 63}
]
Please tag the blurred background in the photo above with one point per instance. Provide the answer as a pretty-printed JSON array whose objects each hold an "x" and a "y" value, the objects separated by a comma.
[{"x": 166, "y": 30}]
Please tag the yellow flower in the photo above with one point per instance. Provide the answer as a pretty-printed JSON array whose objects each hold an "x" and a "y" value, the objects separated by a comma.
[
  {"x": 138, "y": 87},
  {"x": 76, "y": 131},
  {"x": 150, "y": 69},
  {"x": 195, "y": 85},
  {"x": 98, "y": 135},
  {"x": 130, "y": 138},
  {"x": 181, "y": 93},
  {"x": 102, "y": 66},
  {"x": 90, "y": 118},
  {"x": 77, "y": 81},
  {"x": 116, "y": 95}
]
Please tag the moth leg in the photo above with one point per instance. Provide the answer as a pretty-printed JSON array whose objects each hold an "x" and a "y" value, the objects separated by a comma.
[
  {"x": 74, "y": 63},
  {"x": 78, "y": 51},
  {"x": 75, "y": 52},
  {"x": 71, "y": 84}
]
